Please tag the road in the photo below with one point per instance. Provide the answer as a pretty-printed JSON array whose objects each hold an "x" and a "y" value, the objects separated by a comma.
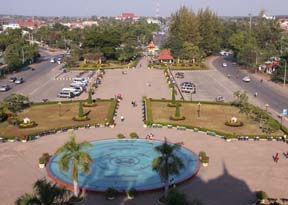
[
  {"x": 277, "y": 99},
  {"x": 42, "y": 73}
]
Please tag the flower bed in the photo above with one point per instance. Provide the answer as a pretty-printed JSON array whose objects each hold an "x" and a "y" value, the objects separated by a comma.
[
  {"x": 28, "y": 125},
  {"x": 234, "y": 124},
  {"x": 84, "y": 118}
]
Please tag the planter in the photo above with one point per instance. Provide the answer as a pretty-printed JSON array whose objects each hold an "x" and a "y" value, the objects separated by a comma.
[{"x": 41, "y": 166}]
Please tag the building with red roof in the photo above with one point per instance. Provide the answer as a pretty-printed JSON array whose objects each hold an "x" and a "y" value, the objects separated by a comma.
[
  {"x": 165, "y": 56},
  {"x": 31, "y": 24},
  {"x": 127, "y": 16}
]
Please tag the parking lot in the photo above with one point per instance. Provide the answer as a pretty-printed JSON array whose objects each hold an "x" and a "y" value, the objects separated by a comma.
[
  {"x": 209, "y": 84},
  {"x": 44, "y": 85}
]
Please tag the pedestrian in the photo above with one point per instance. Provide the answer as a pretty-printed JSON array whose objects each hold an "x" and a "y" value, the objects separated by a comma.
[
  {"x": 276, "y": 157},
  {"x": 261, "y": 81}
]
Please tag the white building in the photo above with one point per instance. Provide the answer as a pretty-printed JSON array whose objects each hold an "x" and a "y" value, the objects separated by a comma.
[
  {"x": 154, "y": 21},
  {"x": 11, "y": 25}
]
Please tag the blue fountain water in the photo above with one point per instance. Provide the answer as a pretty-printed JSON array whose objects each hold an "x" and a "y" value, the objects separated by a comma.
[{"x": 123, "y": 164}]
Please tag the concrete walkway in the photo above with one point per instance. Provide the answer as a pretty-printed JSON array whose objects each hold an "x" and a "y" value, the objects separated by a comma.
[{"x": 236, "y": 169}]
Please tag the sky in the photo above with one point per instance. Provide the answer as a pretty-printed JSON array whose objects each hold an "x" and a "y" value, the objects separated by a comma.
[{"x": 87, "y": 8}]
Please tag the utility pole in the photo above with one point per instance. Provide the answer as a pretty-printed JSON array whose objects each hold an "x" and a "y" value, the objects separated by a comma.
[
  {"x": 23, "y": 58},
  {"x": 285, "y": 74},
  {"x": 250, "y": 22}
]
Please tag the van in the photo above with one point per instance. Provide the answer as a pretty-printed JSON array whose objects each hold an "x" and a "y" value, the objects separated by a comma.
[
  {"x": 65, "y": 94},
  {"x": 75, "y": 91}
]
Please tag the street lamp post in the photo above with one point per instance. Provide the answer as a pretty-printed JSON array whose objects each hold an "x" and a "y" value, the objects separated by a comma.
[
  {"x": 60, "y": 105},
  {"x": 285, "y": 74},
  {"x": 198, "y": 111}
]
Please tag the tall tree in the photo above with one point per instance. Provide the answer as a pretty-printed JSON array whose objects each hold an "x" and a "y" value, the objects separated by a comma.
[
  {"x": 184, "y": 27},
  {"x": 167, "y": 162},
  {"x": 73, "y": 155},
  {"x": 211, "y": 29}
]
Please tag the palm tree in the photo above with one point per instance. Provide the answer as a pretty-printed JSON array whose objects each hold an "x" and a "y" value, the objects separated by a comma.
[
  {"x": 167, "y": 163},
  {"x": 73, "y": 152},
  {"x": 45, "y": 193}
]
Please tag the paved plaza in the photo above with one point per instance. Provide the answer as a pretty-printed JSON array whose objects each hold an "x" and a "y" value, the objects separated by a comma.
[{"x": 235, "y": 171}]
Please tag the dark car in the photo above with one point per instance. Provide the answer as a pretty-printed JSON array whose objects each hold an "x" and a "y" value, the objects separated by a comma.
[
  {"x": 179, "y": 75},
  {"x": 12, "y": 79}
]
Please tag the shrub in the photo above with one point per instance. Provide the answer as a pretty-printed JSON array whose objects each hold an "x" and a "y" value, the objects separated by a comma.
[
  {"x": 134, "y": 135},
  {"x": 261, "y": 195},
  {"x": 205, "y": 159},
  {"x": 175, "y": 197},
  {"x": 111, "y": 192},
  {"x": 3, "y": 116},
  {"x": 44, "y": 158},
  {"x": 84, "y": 118},
  {"x": 202, "y": 154},
  {"x": 120, "y": 136},
  {"x": 131, "y": 192}
]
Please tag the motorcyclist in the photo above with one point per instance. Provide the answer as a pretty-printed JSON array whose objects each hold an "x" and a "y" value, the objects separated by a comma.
[{"x": 256, "y": 94}]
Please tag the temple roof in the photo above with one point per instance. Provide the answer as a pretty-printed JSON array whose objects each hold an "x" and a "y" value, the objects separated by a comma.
[
  {"x": 165, "y": 55},
  {"x": 151, "y": 45}
]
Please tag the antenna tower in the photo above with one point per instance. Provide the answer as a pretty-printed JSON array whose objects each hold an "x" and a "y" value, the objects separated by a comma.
[{"x": 157, "y": 10}]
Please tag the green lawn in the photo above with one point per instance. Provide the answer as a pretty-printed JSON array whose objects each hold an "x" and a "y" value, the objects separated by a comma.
[
  {"x": 50, "y": 116},
  {"x": 212, "y": 116}
]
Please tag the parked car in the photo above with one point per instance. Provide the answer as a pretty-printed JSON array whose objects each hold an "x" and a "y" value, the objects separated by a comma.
[
  {"x": 52, "y": 60},
  {"x": 224, "y": 64},
  {"x": 179, "y": 75},
  {"x": 19, "y": 81},
  {"x": 75, "y": 91},
  {"x": 186, "y": 84},
  {"x": 219, "y": 98},
  {"x": 246, "y": 79},
  {"x": 82, "y": 80},
  {"x": 12, "y": 79},
  {"x": 4, "y": 88}
]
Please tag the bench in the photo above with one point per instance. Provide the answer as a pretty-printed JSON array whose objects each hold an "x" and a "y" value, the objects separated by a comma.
[
  {"x": 211, "y": 133},
  {"x": 181, "y": 128}
]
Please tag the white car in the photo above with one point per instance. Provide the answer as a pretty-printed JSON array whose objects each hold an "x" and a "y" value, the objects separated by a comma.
[
  {"x": 246, "y": 79},
  {"x": 19, "y": 81},
  {"x": 224, "y": 64},
  {"x": 4, "y": 88}
]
